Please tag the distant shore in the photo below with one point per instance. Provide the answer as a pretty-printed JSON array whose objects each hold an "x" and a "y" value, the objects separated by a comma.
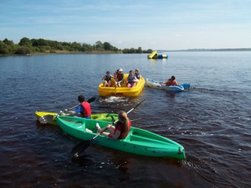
[
  {"x": 28, "y": 46},
  {"x": 203, "y": 50}
]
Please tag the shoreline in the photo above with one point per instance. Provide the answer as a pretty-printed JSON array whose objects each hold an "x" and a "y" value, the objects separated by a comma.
[{"x": 120, "y": 52}]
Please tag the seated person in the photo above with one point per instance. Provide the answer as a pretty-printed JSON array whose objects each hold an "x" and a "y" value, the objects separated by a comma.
[
  {"x": 137, "y": 74},
  {"x": 119, "y": 77},
  {"x": 84, "y": 108},
  {"x": 121, "y": 128},
  {"x": 131, "y": 79},
  {"x": 171, "y": 82},
  {"x": 107, "y": 79}
]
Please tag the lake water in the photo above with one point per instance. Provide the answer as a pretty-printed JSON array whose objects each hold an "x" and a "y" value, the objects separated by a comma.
[{"x": 212, "y": 121}]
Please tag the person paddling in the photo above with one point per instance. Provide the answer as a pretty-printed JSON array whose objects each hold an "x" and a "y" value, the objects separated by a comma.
[
  {"x": 121, "y": 128},
  {"x": 84, "y": 108},
  {"x": 171, "y": 82}
]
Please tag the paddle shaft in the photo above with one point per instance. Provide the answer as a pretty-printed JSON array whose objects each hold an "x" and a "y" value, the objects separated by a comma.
[
  {"x": 91, "y": 99},
  {"x": 135, "y": 106}
]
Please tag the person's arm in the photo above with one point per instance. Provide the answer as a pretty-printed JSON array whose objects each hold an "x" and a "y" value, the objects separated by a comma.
[
  {"x": 78, "y": 110},
  {"x": 109, "y": 127},
  {"x": 123, "y": 77},
  {"x": 136, "y": 80},
  {"x": 165, "y": 83},
  {"x": 115, "y": 134}
]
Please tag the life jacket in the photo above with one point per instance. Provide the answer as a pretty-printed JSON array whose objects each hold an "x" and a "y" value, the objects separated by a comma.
[
  {"x": 171, "y": 83},
  {"x": 131, "y": 79},
  {"x": 137, "y": 75},
  {"x": 86, "y": 109},
  {"x": 120, "y": 77},
  {"x": 107, "y": 78},
  {"x": 123, "y": 133}
]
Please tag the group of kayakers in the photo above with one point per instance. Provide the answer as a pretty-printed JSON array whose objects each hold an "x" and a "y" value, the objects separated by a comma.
[
  {"x": 118, "y": 79},
  {"x": 117, "y": 131},
  {"x": 121, "y": 127}
]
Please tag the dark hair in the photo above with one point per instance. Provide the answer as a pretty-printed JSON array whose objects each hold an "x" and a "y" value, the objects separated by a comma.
[
  {"x": 81, "y": 98},
  {"x": 173, "y": 78}
]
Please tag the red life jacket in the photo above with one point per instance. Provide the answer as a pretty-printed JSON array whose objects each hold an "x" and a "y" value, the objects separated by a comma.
[
  {"x": 123, "y": 133},
  {"x": 171, "y": 83},
  {"x": 120, "y": 77},
  {"x": 86, "y": 109}
]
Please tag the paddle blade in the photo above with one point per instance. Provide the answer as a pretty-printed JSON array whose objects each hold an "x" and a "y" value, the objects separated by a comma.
[
  {"x": 47, "y": 119},
  {"x": 113, "y": 119},
  {"x": 91, "y": 99},
  {"x": 80, "y": 147}
]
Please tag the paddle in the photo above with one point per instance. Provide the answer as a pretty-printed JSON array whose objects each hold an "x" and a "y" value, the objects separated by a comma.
[
  {"x": 80, "y": 147},
  {"x": 50, "y": 118}
]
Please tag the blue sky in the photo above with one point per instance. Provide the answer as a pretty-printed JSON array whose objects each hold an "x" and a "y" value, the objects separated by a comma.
[{"x": 154, "y": 24}]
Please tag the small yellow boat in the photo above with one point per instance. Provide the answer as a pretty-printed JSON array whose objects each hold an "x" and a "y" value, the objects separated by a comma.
[
  {"x": 156, "y": 55},
  {"x": 50, "y": 117},
  {"x": 123, "y": 90}
]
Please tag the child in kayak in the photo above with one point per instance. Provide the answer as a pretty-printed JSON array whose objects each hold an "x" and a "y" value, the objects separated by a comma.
[
  {"x": 84, "y": 108},
  {"x": 171, "y": 82},
  {"x": 121, "y": 128}
]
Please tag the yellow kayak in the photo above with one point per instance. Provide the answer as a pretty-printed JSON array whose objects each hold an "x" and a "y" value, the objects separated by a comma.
[
  {"x": 50, "y": 117},
  {"x": 122, "y": 91}
]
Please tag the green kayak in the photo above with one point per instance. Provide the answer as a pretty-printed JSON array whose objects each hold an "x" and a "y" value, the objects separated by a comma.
[
  {"x": 50, "y": 117},
  {"x": 138, "y": 141}
]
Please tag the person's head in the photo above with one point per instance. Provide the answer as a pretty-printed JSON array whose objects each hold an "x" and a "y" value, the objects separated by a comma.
[
  {"x": 107, "y": 72},
  {"x": 122, "y": 116},
  {"x": 81, "y": 98},
  {"x": 173, "y": 78},
  {"x": 125, "y": 122},
  {"x": 131, "y": 72},
  {"x": 120, "y": 70},
  {"x": 136, "y": 70}
]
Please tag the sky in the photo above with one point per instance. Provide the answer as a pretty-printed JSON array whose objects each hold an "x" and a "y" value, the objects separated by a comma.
[{"x": 150, "y": 24}]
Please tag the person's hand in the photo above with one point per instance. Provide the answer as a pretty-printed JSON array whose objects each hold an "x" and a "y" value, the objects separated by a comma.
[
  {"x": 71, "y": 112},
  {"x": 109, "y": 126}
]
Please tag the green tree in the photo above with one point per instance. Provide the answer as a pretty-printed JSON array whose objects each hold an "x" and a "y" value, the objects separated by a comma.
[
  {"x": 86, "y": 47},
  {"x": 76, "y": 46},
  {"x": 3, "y": 48},
  {"x": 149, "y": 51},
  {"x": 99, "y": 45},
  {"x": 25, "y": 42},
  {"x": 139, "y": 50},
  {"x": 107, "y": 46},
  {"x": 23, "y": 50},
  {"x": 8, "y": 42},
  {"x": 39, "y": 42}
]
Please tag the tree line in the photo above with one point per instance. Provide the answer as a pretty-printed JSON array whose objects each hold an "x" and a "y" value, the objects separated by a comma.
[{"x": 31, "y": 46}]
